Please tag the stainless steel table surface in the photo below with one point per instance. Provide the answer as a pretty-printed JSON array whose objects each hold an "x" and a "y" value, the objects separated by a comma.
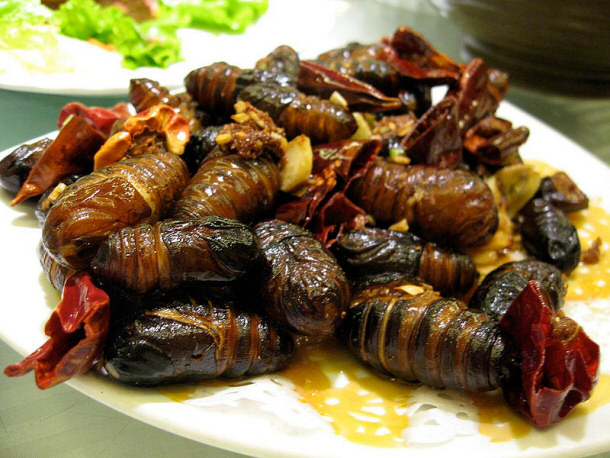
[{"x": 61, "y": 422}]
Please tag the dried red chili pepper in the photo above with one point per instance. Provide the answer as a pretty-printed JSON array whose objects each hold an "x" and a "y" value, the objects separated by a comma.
[
  {"x": 316, "y": 79},
  {"x": 322, "y": 205},
  {"x": 559, "y": 363},
  {"x": 70, "y": 153},
  {"x": 77, "y": 331},
  {"x": 435, "y": 138},
  {"x": 414, "y": 57},
  {"x": 100, "y": 118}
]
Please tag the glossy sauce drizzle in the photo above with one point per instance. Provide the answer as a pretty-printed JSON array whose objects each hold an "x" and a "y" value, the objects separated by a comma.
[{"x": 362, "y": 406}]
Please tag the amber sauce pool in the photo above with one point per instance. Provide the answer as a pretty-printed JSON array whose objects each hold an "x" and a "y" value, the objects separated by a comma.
[
  {"x": 362, "y": 406},
  {"x": 366, "y": 408}
]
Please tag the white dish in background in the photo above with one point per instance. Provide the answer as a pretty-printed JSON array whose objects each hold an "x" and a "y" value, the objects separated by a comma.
[
  {"x": 266, "y": 417},
  {"x": 94, "y": 71}
]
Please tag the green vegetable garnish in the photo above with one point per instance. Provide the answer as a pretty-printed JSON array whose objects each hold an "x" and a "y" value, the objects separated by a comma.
[{"x": 25, "y": 24}]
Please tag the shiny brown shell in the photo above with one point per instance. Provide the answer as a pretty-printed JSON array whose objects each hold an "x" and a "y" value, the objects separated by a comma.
[
  {"x": 373, "y": 251},
  {"x": 548, "y": 235},
  {"x": 450, "y": 207},
  {"x": 171, "y": 253},
  {"x": 141, "y": 189},
  {"x": 502, "y": 285},
  {"x": 300, "y": 281},
  {"x": 409, "y": 331},
  {"x": 321, "y": 120},
  {"x": 189, "y": 338},
  {"x": 231, "y": 186}
]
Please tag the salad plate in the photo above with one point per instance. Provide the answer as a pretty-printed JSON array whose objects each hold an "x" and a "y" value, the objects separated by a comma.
[
  {"x": 77, "y": 67},
  {"x": 274, "y": 415}
]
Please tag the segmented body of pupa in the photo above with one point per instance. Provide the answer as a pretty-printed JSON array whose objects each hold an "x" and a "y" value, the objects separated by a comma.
[
  {"x": 189, "y": 338},
  {"x": 170, "y": 253},
  {"x": 230, "y": 186},
  {"x": 502, "y": 285},
  {"x": 56, "y": 273},
  {"x": 301, "y": 284},
  {"x": 321, "y": 120},
  {"x": 452, "y": 207},
  {"x": 97, "y": 205},
  {"x": 373, "y": 251},
  {"x": 407, "y": 330},
  {"x": 548, "y": 234}
]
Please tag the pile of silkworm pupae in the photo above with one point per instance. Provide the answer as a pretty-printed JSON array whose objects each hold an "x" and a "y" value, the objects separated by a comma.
[{"x": 207, "y": 233}]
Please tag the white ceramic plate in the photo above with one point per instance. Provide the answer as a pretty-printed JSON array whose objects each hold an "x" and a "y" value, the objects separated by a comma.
[
  {"x": 83, "y": 68},
  {"x": 266, "y": 418}
]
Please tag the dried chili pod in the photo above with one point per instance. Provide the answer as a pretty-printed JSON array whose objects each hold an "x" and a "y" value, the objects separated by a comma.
[
  {"x": 16, "y": 166},
  {"x": 77, "y": 331},
  {"x": 321, "y": 120},
  {"x": 301, "y": 285},
  {"x": 407, "y": 330},
  {"x": 435, "y": 138},
  {"x": 373, "y": 251},
  {"x": 495, "y": 142},
  {"x": 448, "y": 206},
  {"x": 172, "y": 253},
  {"x": 231, "y": 186},
  {"x": 315, "y": 79},
  {"x": 548, "y": 234},
  {"x": 123, "y": 194},
  {"x": 501, "y": 286},
  {"x": 159, "y": 125},
  {"x": 70, "y": 152},
  {"x": 561, "y": 191},
  {"x": 414, "y": 57},
  {"x": 145, "y": 93},
  {"x": 188, "y": 338},
  {"x": 101, "y": 119},
  {"x": 477, "y": 96}
]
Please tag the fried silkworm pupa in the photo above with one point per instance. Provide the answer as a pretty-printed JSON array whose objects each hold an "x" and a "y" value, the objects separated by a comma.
[
  {"x": 171, "y": 253},
  {"x": 501, "y": 286},
  {"x": 125, "y": 193},
  {"x": 56, "y": 273},
  {"x": 189, "y": 338},
  {"x": 548, "y": 234},
  {"x": 16, "y": 166},
  {"x": 372, "y": 251},
  {"x": 48, "y": 198},
  {"x": 215, "y": 87},
  {"x": 545, "y": 363},
  {"x": 231, "y": 186},
  {"x": 321, "y": 120},
  {"x": 301, "y": 285},
  {"x": 450, "y": 207}
]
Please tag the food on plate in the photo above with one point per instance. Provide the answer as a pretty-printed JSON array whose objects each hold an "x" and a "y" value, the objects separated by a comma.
[
  {"x": 198, "y": 234},
  {"x": 302, "y": 286},
  {"x": 144, "y": 33},
  {"x": 188, "y": 338}
]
